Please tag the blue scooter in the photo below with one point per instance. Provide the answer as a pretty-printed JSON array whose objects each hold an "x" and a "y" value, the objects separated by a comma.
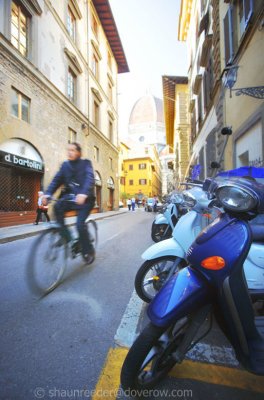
[{"x": 213, "y": 283}]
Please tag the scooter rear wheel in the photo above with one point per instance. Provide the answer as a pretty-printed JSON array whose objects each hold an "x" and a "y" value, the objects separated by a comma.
[
  {"x": 160, "y": 232},
  {"x": 153, "y": 274},
  {"x": 151, "y": 357}
]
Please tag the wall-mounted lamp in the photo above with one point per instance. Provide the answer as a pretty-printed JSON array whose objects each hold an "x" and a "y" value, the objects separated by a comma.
[
  {"x": 85, "y": 128},
  {"x": 230, "y": 78}
]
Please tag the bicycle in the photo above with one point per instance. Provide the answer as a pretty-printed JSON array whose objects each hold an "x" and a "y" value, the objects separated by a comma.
[{"x": 49, "y": 254}]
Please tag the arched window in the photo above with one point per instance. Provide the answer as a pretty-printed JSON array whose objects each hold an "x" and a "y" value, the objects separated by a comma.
[
  {"x": 110, "y": 183},
  {"x": 97, "y": 179}
]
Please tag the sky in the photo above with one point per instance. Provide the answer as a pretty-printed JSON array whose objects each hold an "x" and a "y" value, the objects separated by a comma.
[{"x": 148, "y": 30}]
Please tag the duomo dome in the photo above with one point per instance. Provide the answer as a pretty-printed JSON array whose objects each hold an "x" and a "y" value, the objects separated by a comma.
[
  {"x": 147, "y": 109},
  {"x": 146, "y": 122}
]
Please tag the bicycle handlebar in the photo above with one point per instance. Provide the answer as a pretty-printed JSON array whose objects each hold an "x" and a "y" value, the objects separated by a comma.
[{"x": 72, "y": 198}]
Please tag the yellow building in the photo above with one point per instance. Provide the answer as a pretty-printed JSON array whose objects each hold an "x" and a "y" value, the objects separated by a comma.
[
  {"x": 123, "y": 154},
  {"x": 142, "y": 173}
]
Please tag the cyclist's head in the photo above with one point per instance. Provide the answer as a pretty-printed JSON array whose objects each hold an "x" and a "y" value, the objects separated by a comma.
[{"x": 74, "y": 151}]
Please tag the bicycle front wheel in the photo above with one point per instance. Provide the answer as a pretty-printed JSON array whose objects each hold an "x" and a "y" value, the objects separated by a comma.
[{"x": 47, "y": 261}]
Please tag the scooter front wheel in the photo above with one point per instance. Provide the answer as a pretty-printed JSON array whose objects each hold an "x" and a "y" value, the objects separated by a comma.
[
  {"x": 160, "y": 232},
  {"x": 151, "y": 356},
  {"x": 153, "y": 274}
]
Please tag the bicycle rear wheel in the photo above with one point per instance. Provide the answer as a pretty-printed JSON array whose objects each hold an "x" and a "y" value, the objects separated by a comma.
[
  {"x": 47, "y": 261},
  {"x": 93, "y": 232}
]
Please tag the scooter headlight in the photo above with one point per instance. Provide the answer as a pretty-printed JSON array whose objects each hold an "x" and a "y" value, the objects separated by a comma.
[
  {"x": 177, "y": 198},
  {"x": 236, "y": 198},
  {"x": 189, "y": 199}
]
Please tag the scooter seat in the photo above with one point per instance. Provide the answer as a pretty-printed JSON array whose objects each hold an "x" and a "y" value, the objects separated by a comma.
[{"x": 257, "y": 232}]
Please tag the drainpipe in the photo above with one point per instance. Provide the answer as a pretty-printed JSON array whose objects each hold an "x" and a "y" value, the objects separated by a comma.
[{"x": 88, "y": 61}]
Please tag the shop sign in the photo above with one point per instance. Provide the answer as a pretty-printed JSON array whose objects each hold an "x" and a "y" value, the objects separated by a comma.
[{"x": 17, "y": 161}]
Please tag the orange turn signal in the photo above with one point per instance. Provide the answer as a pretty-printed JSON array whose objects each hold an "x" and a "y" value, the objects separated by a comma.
[
  {"x": 214, "y": 263},
  {"x": 207, "y": 216}
]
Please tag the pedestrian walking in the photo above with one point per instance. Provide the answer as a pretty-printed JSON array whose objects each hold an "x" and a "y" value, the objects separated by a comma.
[
  {"x": 155, "y": 203},
  {"x": 129, "y": 203},
  {"x": 133, "y": 203},
  {"x": 41, "y": 209}
]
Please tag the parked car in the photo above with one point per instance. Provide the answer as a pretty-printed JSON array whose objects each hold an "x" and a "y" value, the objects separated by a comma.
[{"x": 149, "y": 205}]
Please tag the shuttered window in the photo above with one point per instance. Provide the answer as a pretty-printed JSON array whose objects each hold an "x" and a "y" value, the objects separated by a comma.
[
  {"x": 208, "y": 81},
  {"x": 229, "y": 36},
  {"x": 236, "y": 22},
  {"x": 248, "y": 10}
]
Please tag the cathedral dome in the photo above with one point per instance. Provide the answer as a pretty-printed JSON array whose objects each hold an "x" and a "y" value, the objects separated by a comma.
[{"x": 147, "y": 109}]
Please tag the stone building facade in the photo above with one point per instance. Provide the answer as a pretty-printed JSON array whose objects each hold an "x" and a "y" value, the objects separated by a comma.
[
  {"x": 58, "y": 84},
  {"x": 176, "y": 102}
]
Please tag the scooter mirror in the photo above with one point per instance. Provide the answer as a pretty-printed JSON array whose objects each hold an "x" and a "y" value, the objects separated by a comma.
[{"x": 207, "y": 184}]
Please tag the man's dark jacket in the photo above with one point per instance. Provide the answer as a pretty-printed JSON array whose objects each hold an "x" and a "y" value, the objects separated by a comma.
[{"x": 76, "y": 176}]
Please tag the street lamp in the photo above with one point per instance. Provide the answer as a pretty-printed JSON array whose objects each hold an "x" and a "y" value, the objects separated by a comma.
[{"x": 230, "y": 79}]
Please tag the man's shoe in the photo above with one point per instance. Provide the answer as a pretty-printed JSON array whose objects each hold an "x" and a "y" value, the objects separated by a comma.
[
  {"x": 89, "y": 258},
  {"x": 60, "y": 242}
]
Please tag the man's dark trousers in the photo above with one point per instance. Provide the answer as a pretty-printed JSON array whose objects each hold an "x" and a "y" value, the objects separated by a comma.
[{"x": 82, "y": 213}]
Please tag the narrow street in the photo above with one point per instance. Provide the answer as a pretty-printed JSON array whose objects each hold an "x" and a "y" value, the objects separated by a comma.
[
  {"x": 71, "y": 344},
  {"x": 62, "y": 340}
]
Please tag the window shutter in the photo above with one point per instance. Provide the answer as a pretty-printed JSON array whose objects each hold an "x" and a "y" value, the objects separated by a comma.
[
  {"x": 229, "y": 36},
  {"x": 248, "y": 10}
]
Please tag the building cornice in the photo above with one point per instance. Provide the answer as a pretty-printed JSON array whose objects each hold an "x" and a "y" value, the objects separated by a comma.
[
  {"x": 184, "y": 19},
  {"x": 73, "y": 61},
  {"x": 32, "y": 6},
  {"x": 106, "y": 18}
]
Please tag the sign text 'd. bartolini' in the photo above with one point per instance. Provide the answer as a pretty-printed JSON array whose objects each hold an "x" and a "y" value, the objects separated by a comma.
[{"x": 17, "y": 161}]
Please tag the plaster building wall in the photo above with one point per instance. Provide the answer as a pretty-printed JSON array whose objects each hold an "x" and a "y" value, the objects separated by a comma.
[
  {"x": 221, "y": 35},
  {"x": 196, "y": 28},
  {"x": 245, "y": 113}
]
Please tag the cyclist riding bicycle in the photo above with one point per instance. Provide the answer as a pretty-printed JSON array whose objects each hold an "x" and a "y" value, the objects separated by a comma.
[{"x": 77, "y": 177}]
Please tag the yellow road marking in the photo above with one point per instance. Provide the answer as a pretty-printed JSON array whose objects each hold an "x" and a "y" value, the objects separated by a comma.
[
  {"x": 219, "y": 375},
  {"x": 109, "y": 380}
]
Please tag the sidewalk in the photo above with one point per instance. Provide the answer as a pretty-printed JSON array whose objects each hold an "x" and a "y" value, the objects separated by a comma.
[{"x": 11, "y": 233}]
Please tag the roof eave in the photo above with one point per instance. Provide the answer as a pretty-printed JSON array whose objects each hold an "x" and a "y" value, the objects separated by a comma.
[{"x": 106, "y": 17}]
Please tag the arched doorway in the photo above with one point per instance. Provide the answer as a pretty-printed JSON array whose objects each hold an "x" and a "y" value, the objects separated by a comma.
[
  {"x": 111, "y": 188},
  {"x": 98, "y": 190},
  {"x": 21, "y": 171}
]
